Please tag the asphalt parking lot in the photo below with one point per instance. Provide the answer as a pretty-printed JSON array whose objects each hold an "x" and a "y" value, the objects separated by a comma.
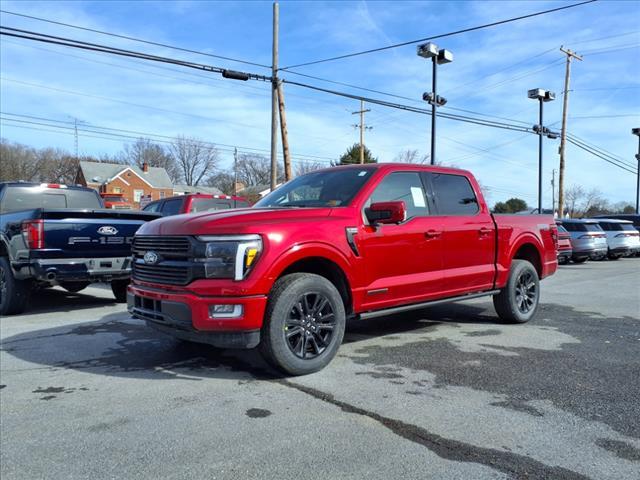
[{"x": 446, "y": 393}]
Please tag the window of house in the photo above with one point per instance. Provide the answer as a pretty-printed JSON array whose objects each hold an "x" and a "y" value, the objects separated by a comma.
[
  {"x": 161, "y": 194},
  {"x": 454, "y": 194},
  {"x": 117, "y": 190},
  {"x": 137, "y": 195},
  {"x": 402, "y": 186}
]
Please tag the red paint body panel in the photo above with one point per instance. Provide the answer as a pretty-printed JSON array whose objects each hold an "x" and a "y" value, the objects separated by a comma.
[{"x": 424, "y": 258}]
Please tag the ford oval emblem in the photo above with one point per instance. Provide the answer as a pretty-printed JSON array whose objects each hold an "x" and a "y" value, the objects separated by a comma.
[
  {"x": 150, "y": 258},
  {"x": 107, "y": 230}
]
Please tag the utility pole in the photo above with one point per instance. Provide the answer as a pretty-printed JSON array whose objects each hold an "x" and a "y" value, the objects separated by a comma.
[
  {"x": 636, "y": 131},
  {"x": 362, "y": 126},
  {"x": 563, "y": 134},
  {"x": 285, "y": 134},
  {"x": 553, "y": 191},
  {"x": 235, "y": 172},
  {"x": 274, "y": 99}
]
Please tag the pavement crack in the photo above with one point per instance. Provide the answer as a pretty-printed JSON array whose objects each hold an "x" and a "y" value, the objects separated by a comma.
[{"x": 512, "y": 464}]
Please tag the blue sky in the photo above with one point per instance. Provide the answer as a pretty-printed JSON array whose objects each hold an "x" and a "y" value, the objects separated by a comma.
[{"x": 491, "y": 73}]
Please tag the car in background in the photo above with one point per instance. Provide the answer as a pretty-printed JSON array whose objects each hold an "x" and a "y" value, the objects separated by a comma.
[
  {"x": 622, "y": 238},
  {"x": 195, "y": 202},
  {"x": 116, "y": 201},
  {"x": 588, "y": 240},
  {"x": 564, "y": 245},
  {"x": 53, "y": 234},
  {"x": 631, "y": 217}
]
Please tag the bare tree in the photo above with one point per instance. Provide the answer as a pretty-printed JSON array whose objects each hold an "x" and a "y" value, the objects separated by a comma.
[
  {"x": 303, "y": 167},
  {"x": 57, "y": 166},
  {"x": 411, "y": 156},
  {"x": 144, "y": 151},
  {"x": 223, "y": 181},
  {"x": 18, "y": 162},
  {"x": 195, "y": 159},
  {"x": 573, "y": 197},
  {"x": 254, "y": 169}
]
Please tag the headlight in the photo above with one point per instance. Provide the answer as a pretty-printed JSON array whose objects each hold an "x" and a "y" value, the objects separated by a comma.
[{"x": 230, "y": 256}]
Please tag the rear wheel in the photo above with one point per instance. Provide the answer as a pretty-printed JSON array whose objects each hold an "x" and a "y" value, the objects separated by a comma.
[
  {"x": 613, "y": 256},
  {"x": 119, "y": 289},
  {"x": 518, "y": 301},
  {"x": 14, "y": 294},
  {"x": 304, "y": 324},
  {"x": 74, "y": 287}
]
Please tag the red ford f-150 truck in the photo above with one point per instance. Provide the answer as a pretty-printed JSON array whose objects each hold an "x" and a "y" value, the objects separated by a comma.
[{"x": 347, "y": 242}]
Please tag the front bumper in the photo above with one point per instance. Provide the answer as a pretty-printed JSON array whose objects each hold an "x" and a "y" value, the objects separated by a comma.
[
  {"x": 59, "y": 270},
  {"x": 186, "y": 316}
]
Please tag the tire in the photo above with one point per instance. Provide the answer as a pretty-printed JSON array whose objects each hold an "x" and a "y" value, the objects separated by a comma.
[
  {"x": 14, "y": 294},
  {"x": 563, "y": 261},
  {"x": 613, "y": 256},
  {"x": 296, "y": 338},
  {"x": 74, "y": 287},
  {"x": 510, "y": 304},
  {"x": 580, "y": 260},
  {"x": 119, "y": 289}
]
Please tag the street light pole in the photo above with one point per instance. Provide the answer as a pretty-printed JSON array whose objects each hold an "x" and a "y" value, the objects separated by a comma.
[
  {"x": 540, "y": 133},
  {"x": 433, "y": 110},
  {"x": 636, "y": 131},
  {"x": 542, "y": 96},
  {"x": 430, "y": 50}
]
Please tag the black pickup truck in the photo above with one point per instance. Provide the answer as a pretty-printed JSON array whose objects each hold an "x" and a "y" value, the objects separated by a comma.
[{"x": 54, "y": 234}]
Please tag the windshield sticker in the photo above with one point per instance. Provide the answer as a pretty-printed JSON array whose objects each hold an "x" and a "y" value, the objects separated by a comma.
[
  {"x": 362, "y": 173},
  {"x": 418, "y": 197}
]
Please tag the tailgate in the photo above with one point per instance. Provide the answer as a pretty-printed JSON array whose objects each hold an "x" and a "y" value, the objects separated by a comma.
[{"x": 90, "y": 233}]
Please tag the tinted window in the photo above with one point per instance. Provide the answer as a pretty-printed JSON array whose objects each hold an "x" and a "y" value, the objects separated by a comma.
[
  {"x": 402, "y": 186},
  {"x": 582, "y": 227},
  {"x": 453, "y": 195},
  {"x": 561, "y": 229},
  {"x": 206, "y": 204},
  {"x": 242, "y": 204},
  {"x": 26, "y": 198},
  {"x": 171, "y": 207},
  {"x": 327, "y": 188},
  {"x": 152, "y": 207}
]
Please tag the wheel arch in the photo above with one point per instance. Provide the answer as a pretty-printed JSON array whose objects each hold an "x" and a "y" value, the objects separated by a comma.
[{"x": 321, "y": 260}]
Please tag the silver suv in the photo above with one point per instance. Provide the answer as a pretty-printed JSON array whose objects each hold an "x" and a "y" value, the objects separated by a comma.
[
  {"x": 588, "y": 240},
  {"x": 622, "y": 238}
]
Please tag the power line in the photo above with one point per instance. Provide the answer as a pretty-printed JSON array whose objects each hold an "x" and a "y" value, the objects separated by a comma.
[
  {"x": 126, "y": 37},
  {"x": 68, "y": 42},
  {"x": 442, "y": 35},
  {"x": 139, "y": 134},
  {"x": 601, "y": 151},
  {"x": 593, "y": 152}
]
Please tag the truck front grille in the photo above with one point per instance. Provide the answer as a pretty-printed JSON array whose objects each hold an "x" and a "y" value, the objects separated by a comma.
[
  {"x": 172, "y": 275},
  {"x": 168, "y": 247}
]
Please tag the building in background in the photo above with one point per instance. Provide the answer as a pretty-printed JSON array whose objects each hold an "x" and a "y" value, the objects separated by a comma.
[
  {"x": 130, "y": 181},
  {"x": 180, "y": 189}
]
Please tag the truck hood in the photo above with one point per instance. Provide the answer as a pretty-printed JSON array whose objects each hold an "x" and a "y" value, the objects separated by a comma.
[{"x": 246, "y": 220}]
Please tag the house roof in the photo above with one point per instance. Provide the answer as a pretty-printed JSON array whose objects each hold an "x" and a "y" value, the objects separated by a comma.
[
  {"x": 181, "y": 188},
  {"x": 101, "y": 173}
]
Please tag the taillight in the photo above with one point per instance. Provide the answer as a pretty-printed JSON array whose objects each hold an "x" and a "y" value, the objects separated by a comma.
[
  {"x": 33, "y": 233},
  {"x": 52, "y": 185},
  {"x": 554, "y": 236}
]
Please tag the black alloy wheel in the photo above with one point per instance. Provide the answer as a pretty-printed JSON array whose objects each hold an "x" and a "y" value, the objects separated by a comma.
[{"x": 310, "y": 325}]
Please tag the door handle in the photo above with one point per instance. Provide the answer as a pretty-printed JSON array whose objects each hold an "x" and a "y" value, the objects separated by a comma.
[
  {"x": 484, "y": 231},
  {"x": 430, "y": 234}
]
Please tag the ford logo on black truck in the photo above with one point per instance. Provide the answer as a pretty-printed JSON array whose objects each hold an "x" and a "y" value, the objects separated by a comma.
[
  {"x": 107, "y": 230},
  {"x": 150, "y": 258}
]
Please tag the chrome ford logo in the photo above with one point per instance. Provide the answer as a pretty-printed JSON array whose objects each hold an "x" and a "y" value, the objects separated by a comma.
[
  {"x": 107, "y": 230},
  {"x": 150, "y": 258}
]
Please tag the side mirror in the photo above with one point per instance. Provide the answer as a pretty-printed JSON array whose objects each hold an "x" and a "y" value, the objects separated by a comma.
[{"x": 386, "y": 212}]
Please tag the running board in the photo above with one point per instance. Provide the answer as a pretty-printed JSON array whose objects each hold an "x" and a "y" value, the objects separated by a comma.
[{"x": 417, "y": 306}]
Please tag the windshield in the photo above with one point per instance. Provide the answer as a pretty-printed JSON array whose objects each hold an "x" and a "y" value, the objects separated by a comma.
[
  {"x": 25, "y": 198},
  {"x": 327, "y": 188}
]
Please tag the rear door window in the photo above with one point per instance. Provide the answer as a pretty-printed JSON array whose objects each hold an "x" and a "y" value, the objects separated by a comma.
[
  {"x": 152, "y": 207},
  {"x": 26, "y": 198},
  {"x": 453, "y": 195}
]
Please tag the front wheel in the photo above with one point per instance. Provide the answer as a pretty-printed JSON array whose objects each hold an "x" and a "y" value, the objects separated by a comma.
[
  {"x": 14, "y": 294},
  {"x": 304, "y": 324},
  {"x": 119, "y": 289},
  {"x": 518, "y": 301}
]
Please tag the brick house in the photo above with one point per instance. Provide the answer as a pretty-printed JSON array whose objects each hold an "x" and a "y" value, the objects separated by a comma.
[{"x": 131, "y": 181}]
